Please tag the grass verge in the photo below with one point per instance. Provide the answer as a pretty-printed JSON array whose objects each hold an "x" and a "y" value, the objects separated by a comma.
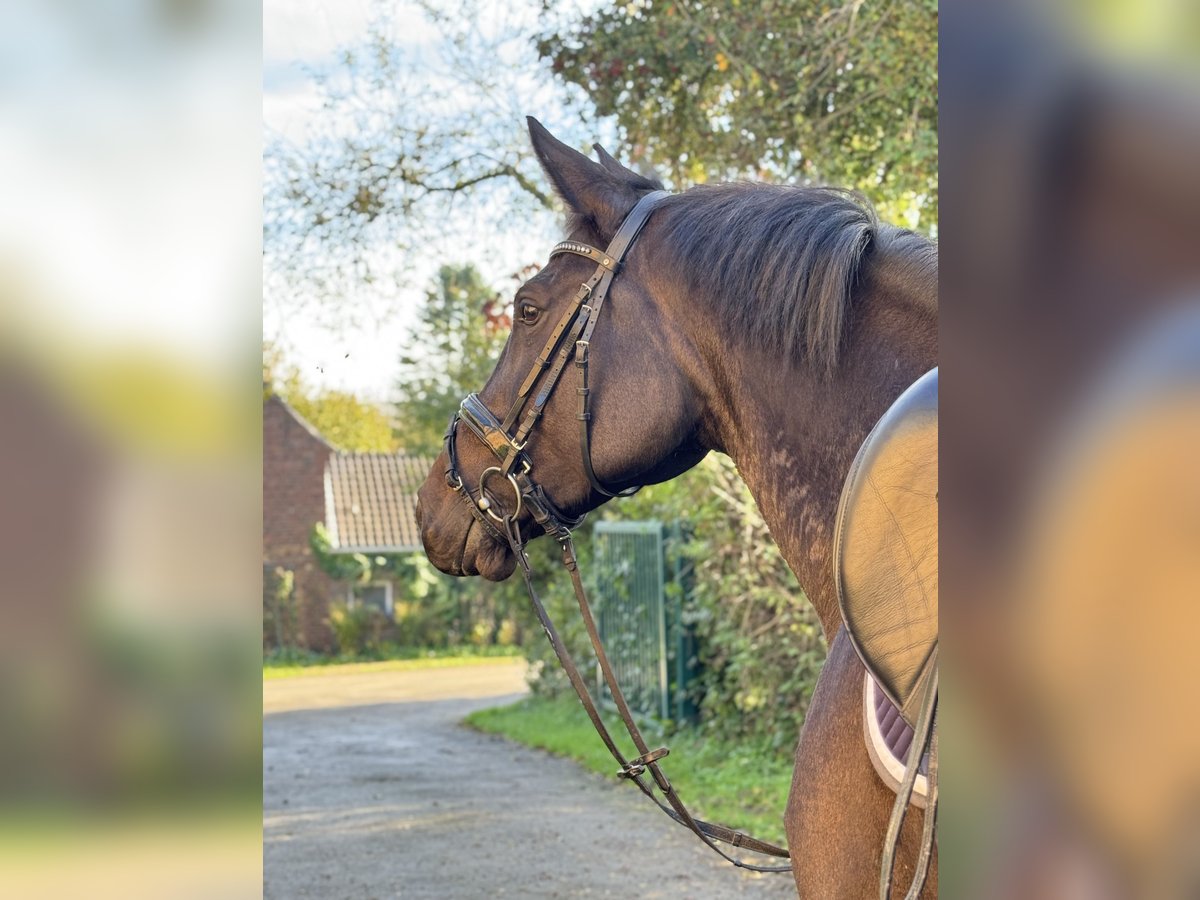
[
  {"x": 732, "y": 785},
  {"x": 273, "y": 669}
]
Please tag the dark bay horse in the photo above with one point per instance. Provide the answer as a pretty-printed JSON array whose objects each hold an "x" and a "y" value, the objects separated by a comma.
[{"x": 775, "y": 325}]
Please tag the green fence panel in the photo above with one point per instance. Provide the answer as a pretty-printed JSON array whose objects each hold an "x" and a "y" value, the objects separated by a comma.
[{"x": 641, "y": 583}]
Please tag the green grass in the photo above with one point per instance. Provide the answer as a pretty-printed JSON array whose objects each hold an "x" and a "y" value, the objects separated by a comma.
[
  {"x": 295, "y": 665},
  {"x": 731, "y": 785}
]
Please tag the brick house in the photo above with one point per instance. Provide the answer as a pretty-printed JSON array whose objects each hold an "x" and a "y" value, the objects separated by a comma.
[{"x": 367, "y": 502}]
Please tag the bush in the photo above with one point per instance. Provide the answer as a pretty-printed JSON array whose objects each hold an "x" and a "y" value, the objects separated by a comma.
[
  {"x": 758, "y": 639},
  {"x": 358, "y": 629},
  {"x": 292, "y": 656},
  {"x": 280, "y": 612}
]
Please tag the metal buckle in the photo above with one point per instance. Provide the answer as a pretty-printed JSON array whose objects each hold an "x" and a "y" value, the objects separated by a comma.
[{"x": 636, "y": 767}]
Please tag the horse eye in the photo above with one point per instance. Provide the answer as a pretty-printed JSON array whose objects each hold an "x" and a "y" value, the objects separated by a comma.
[{"x": 529, "y": 313}]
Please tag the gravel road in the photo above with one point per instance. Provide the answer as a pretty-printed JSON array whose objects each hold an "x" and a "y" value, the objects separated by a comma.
[{"x": 372, "y": 789}]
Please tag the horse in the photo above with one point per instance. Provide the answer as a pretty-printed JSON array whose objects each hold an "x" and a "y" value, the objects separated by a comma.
[{"x": 774, "y": 324}]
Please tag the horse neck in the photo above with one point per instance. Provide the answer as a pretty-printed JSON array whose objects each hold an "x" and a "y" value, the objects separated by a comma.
[{"x": 793, "y": 434}]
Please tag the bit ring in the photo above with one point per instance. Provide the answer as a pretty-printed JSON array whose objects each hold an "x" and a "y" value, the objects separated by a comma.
[{"x": 484, "y": 504}]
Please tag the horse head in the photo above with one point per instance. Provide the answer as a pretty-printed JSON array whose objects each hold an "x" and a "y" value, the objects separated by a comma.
[{"x": 577, "y": 326}]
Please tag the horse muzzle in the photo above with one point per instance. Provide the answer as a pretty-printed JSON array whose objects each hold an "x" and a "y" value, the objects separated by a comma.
[{"x": 453, "y": 540}]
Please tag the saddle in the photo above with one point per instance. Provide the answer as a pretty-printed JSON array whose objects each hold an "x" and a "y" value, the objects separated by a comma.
[
  {"x": 886, "y": 548},
  {"x": 886, "y": 571}
]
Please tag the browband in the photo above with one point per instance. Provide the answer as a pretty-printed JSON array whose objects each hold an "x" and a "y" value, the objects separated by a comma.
[{"x": 599, "y": 257}]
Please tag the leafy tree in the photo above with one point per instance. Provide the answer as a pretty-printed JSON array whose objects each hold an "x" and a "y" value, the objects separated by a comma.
[
  {"x": 460, "y": 331},
  {"x": 842, "y": 93},
  {"x": 345, "y": 421},
  {"x": 407, "y": 142}
]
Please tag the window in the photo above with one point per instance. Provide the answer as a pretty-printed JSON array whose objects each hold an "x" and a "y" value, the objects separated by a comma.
[{"x": 377, "y": 595}]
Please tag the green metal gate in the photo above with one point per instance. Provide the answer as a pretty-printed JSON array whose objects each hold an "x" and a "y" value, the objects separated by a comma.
[{"x": 641, "y": 582}]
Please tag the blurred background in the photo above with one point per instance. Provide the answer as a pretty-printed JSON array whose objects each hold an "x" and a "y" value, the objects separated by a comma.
[
  {"x": 1070, "y": 290},
  {"x": 347, "y": 189},
  {"x": 130, "y": 171}
]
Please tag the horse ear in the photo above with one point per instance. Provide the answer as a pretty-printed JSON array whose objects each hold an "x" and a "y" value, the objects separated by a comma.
[
  {"x": 589, "y": 189},
  {"x": 636, "y": 179},
  {"x": 609, "y": 162}
]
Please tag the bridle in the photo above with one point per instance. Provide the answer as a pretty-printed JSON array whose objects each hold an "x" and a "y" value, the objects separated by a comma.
[{"x": 572, "y": 336}]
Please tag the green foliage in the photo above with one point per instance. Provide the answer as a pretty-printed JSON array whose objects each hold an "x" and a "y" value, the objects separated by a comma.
[
  {"x": 844, "y": 93},
  {"x": 280, "y": 613},
  {"x": 354, "y": 567},
  {"x": 733, "y": 782},
  {"x": 342, "y": 419},
  {"x": 759, "y": 640},
  {"x": 358, "y": 629},
  {"x": 432, "y": 610},
  {"x": 345, "y": 421},
  {"x": 461, "y": 329},
  {"x": 289, "y": 657}
]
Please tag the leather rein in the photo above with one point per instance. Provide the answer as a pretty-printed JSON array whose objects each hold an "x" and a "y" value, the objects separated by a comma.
[{"x": 572, "y": 337}]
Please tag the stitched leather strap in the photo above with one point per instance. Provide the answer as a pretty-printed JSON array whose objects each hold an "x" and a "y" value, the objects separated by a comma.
[{"x": 924, "y": 736}]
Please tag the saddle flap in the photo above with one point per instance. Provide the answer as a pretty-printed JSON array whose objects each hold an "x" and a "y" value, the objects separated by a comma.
[{"x": 886, "y": 546}]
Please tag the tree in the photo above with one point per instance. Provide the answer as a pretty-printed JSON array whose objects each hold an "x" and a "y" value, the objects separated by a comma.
[
  {"x": 409, "y": 140},
  {"x": 843, "y": 93},
  {"x": 460, "y": 331},
  {"x": 345, "y": 421}
]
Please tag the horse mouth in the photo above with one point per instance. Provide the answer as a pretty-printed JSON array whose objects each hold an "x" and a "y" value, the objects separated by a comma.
[{"x": 483, "y": 555}]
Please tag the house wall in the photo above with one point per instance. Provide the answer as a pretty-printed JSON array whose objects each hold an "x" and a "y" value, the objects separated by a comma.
[{"x": 294, "y": 458}]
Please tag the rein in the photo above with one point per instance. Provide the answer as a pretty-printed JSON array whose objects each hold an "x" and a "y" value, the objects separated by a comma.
[{"x": 571, "y": 337}]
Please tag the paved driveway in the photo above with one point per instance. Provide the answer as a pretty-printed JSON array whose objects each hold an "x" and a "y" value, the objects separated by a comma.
[{"x": 371, "y": 789}]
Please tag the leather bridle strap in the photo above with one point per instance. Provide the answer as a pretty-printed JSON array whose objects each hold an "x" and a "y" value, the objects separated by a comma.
[
  {"x": 647, "y": 761},
  {"x": 924, "y": 738},
  {"x": 628, "y": 232},
  {"x": 573, "y": 333}
]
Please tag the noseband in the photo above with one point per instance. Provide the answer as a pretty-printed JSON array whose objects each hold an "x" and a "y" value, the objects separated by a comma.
[{"x": 572, "y": 336}]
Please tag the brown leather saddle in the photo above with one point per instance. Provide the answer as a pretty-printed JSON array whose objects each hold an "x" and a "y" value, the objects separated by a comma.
[
  {"x": 886, "y": 570},
  {"x": 886, "y": 547}
]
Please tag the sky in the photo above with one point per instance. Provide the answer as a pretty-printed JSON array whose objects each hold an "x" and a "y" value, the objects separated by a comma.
[
  {"x": 299, "y": 35},
  {"x": 129, "y": 172}
]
